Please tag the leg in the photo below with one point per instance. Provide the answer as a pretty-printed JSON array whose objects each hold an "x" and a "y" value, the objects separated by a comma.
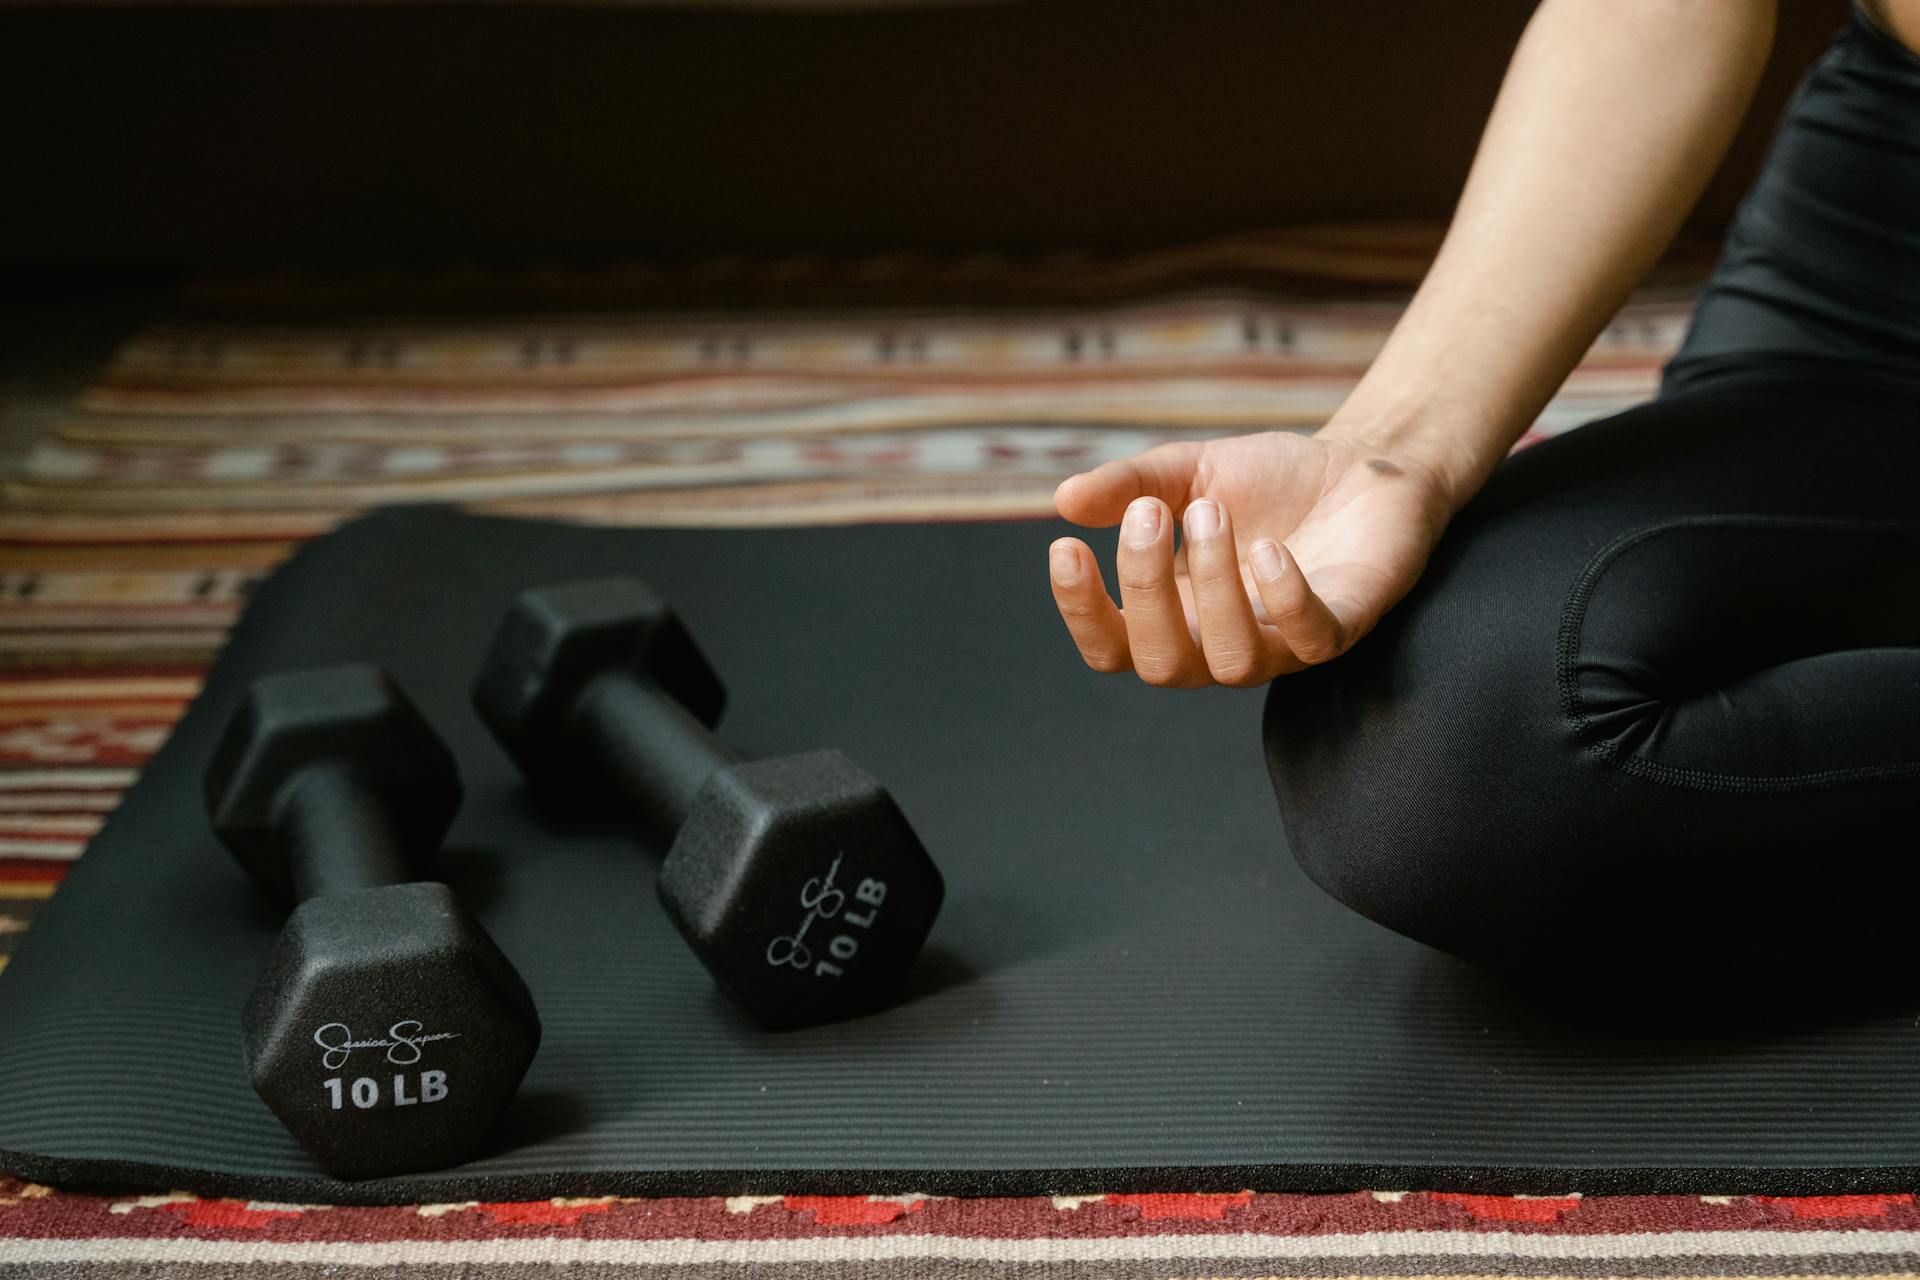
[{"x": 1656, "y": 702}]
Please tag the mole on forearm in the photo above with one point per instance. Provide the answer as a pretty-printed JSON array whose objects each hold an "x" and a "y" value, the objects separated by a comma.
[{"x": 1384, "y": 467}]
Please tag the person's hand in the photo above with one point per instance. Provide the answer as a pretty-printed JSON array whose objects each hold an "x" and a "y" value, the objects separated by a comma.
[{"x": 1294, "y": 546}]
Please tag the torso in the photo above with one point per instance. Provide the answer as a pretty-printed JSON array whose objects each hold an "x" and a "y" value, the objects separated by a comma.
[{"x": 1898, "y": 18}]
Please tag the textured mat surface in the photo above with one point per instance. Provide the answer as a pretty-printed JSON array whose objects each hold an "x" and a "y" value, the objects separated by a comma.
[{"x": 1132, "y": 988}]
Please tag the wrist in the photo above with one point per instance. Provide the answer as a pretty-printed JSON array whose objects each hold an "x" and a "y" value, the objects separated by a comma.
[{"x": 1453, "y": 449}]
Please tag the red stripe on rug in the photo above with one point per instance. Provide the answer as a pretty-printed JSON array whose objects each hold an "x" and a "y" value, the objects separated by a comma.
[
  {"x": 32, "y": 870},
  {"x": 1866, "y": 1206},
  {"x": 27, "y": 1213}
]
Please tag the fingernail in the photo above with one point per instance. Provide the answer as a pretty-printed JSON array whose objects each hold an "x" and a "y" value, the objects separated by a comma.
[
  {"x": 1064, "y": 562},
  {"x": 1142, "y": 524},
  {"x": 1267, "y": 563},
  {"x": 1203, "y": 519}
]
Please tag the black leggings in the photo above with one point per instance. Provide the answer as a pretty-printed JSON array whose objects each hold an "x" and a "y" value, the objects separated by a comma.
[{"x": 1655, "y": 704}]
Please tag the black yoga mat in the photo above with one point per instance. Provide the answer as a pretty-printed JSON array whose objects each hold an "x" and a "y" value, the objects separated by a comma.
[{"x": 1132, "y": 987}]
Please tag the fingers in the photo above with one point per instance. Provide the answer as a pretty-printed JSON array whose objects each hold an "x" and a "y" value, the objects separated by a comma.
[
  {"x": 1099, "y": 497},
  {"x": 1158, "y": 637},
  {"x": 1091, "y": 616},
  {"x": 1309, "y": 628},
  {"x": 1220, "y": 640},
  {"x": 1232, "y": 644}
]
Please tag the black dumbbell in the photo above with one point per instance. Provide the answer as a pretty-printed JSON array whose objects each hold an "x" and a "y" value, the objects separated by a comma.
[
  {"x": 796, "y": 880},
  {"x": 387, "y": 1031}
]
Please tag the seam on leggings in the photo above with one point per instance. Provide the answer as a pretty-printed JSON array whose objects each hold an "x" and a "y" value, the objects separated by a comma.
[{"x": 1573, "y": 619}]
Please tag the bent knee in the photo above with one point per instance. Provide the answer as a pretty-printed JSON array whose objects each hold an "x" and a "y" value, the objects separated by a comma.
[{"x": 1420, "y": 774}]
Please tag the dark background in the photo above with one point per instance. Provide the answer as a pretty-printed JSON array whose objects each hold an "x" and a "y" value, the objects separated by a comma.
[{"x": 156, "y": 137}]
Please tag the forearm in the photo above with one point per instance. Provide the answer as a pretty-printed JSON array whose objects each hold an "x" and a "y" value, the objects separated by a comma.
[{"x": 1612, "y": 117}]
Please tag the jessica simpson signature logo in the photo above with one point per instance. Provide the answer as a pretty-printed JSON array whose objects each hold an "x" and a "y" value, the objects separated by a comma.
[
  {"x": 823, "y": 901},
  {"x": 402, "y": 1043}
]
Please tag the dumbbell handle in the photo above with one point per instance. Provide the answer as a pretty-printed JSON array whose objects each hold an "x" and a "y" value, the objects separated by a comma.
[
  {"x": 656, "y": 753},
  {"x": 339, "y": 835}
]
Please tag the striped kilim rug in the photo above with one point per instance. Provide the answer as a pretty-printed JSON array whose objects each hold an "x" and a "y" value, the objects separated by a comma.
[{"x": 265, "y": 411}]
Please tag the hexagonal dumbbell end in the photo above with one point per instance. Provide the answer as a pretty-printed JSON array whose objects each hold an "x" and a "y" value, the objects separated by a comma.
[
  {"x": 802, "y": 886},
  {"x": 291, "y": 720},
  {"x": 552, "y": 642},
  {"x": 388, "y": 1032}
]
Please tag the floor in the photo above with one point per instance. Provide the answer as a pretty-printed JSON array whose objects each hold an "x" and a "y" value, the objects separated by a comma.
[
  {"x": 54, "y": 334},
  {"x": 116, "y": 553}
]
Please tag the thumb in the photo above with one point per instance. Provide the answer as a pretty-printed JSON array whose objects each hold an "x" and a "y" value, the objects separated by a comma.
[{"x": 1099, "y": 497}]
